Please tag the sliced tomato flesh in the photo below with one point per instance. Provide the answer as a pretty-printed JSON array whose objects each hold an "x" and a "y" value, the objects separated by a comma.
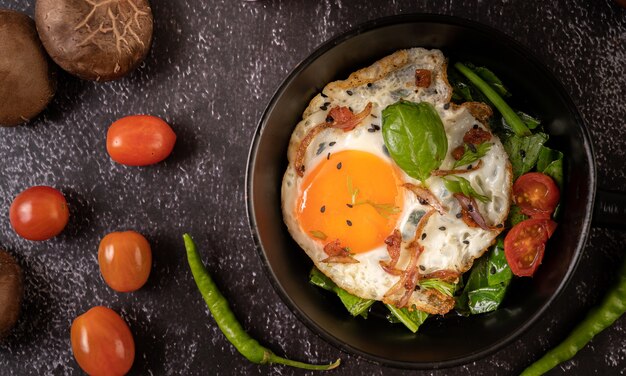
[
  {"x": 536, "y": 194},
  {"x": 525, "y": 244}
]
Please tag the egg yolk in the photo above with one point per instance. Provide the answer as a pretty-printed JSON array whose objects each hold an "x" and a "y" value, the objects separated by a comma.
[{"x": 352, "y": 196}]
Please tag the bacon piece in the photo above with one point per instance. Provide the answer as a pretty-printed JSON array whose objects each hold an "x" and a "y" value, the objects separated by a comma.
[
  {"x": 458, "y": 152},
  {"x": 337, "y": 254},
  {"x": 481, "y": 111},
  {"x": 393, "y": 242},
  {"x": 304, "y": 144},
  {"x": 408, "y": 280},
  {"x": 423, "y": 77},
  {"x": 469, "y": 207},
  {"x": 343, "y": 118},
  {"x": 426, "y": 197},
  {"x": 457, "y": 172},
  {"x": 444, "y": 275},
  {"x": 476, "y": 136}
]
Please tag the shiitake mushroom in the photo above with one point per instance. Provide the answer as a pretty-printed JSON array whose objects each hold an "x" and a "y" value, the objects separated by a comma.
[
  {"x": 27, "y": 79},
  {"x": 11, "y": 291},
  {"x": 95, "y": 40}
]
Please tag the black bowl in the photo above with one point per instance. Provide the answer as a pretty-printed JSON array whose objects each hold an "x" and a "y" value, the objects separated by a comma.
[{"x": 444, "y": 341}]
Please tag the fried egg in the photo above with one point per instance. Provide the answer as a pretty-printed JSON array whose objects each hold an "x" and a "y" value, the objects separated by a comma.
[{"x": 350, "y": 191}]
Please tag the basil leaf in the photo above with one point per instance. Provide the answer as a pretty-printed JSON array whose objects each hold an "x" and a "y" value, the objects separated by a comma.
[
  {"x": 492, "y": 80},
  {"x": 485, "y": 299},
  {"x": 550, "y": 162},
  {"x": 524, "y": 151},
  {"x": 464, "y": 187},
  {"x": 411, "y": 319},
  {"x": 498, "y": 268},
  {"x": 355, "y": 305},
  {"x": 443, "y": 287},
  {"x": 470, "y": 156},
  {"x": 415, "y": 137}
]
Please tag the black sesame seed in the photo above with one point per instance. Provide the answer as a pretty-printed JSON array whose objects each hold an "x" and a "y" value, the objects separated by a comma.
[
  {"x": 323, "y": 208},
  {"x": 328, "y": 156},
  {"x": 377, "y": 127},
  {"x": 442, "y": 228},
  {"x": 465, "y": 241},
  {"x": 459, "y": 215},
  {"x": 323, "y": 108},
  {"x": 475, "y": 126},
  {"x": 417, "y": 287},
  {"x": 385, "y": 150},
  {"x": 472, "y": 147},
  {"x": 324, "y": 95},
  {"x": 329, "y": 119},
  {"x": 349, "y": 92},
  {"x": 446, "y": 106},
  {"x": 522, "y": 153},
  {"x": 350, "y": 206},
  {"x": 499, "y": 225},
  {"x": 492, "y": 270},
  {"x": 424, "y": 236},
  {"x": 339, "y": 166},
  {"x": 371, "y": 130},
  {"x": 469, "y": 167},
  {"x": 332, "y": 143},
  {"x": 422, "y": 267},
  {"x": 422, "y": 201},
  {"x": 350, "y": 108},
  {"x": 369, "y": 84},
  {"x": 470, "y": 208},
  {"x": 326, "y": 103},
  {"x": 374, "y": 116},
  {"x": 349, "y": 222}
]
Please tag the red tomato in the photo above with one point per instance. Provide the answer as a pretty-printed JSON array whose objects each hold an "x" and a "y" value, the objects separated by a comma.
[
  {"x": 125, "y": 260},
  {"x": 525, "y": 243},
  {"x": 102, "y": 343},
  {"x": 140, "y": 140},
  {"x": 39, "y": 213},
  {"x": 536, "y": 194}
]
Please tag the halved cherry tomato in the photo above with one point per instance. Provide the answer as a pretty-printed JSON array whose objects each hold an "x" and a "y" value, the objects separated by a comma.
[
  {"x": 39, "y": 213},
  {"x": 125, "y": 260},
  {"x": 524, "y": 245},
  {"x": 536, "y": 194},
  {"x": 140, "y": 140},
  {"x": 102, "y": 342}
]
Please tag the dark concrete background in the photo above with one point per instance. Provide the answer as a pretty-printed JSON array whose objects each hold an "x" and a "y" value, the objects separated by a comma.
[{"x": 213, "y": 67}]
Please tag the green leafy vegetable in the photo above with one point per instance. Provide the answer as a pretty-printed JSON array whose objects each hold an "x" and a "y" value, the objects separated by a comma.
[
  {"x": 411, "y": 319},
  {"x": 415, "y": 137},
  {"x": 443, "y": 287},
  {"x": 550, "y": 162},
  {"x": 355, "y": 305},
  {"x": 463, "y": 186},
  {"x": 471, "y": 156},
  {"x": 517, "y": 125},
  {"x": 515, "y": 216},
  {"x": 524, "y": 151},
  {"x": 492, "y": 80},
  {"x": 487, "y": 283},
  {"x": 385, "y": 210}
]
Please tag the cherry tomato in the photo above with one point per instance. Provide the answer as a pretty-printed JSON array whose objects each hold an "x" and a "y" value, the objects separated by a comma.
[
  {"x": 39, "y": 213},
  {"x": 525, "y": 244},
  {"x": 102, "y": 343},
  {"x": 536, "y": 194},
  {"x": 140, "y": 140},
  {"x": 125, "y": 260}
]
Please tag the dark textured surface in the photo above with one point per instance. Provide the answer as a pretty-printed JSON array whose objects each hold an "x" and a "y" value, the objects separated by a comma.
[{"x": 212, "y": 68}]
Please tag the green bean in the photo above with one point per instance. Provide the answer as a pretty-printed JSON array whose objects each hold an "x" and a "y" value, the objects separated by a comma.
[
  {"x": 518, "y": 126},
  {"x": 598, "y": 319},
  {"x": 227, "y": 322}
]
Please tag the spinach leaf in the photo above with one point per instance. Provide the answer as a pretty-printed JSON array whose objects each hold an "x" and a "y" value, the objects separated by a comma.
[
  {"x": 515, "y": 216},
  {"x": 462, "y": 185},
  {"x": 530, "y": 121},
  {"x": 443, "y": 287},
  {"x": 487, "y": 283},
  {"x": 415, "y": 137},
  {"x": 492, "y": 80},
  {"x": 524, "y": 151},
  {"x": 355, "y": 305},
  {"x": 471, "y": 156},
  {"x": 550, "y": 162},
  {"x": 411, "y": 319}
]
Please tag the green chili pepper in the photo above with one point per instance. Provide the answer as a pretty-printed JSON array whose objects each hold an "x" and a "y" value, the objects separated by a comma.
[
  {"x": 517, "y": 125},
  {"x": 601, "y": 317},
  {"x": 227, "y": 322}
]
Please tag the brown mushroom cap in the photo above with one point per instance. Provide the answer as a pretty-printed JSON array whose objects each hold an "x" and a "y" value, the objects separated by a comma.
[
  {"x": 11, "y": 291},
  {"x": 27, "y": 81},
  {"x": 98, "y": 40}
]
